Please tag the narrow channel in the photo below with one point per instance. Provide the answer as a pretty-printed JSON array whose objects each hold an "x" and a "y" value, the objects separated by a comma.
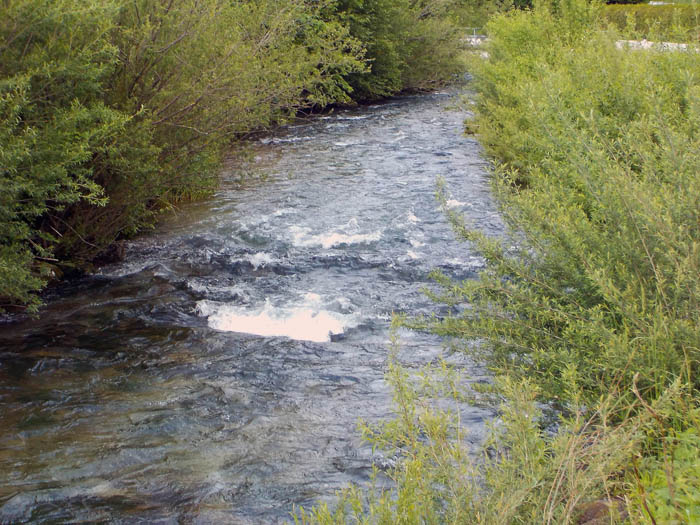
[{"x": 218, "y": 374}]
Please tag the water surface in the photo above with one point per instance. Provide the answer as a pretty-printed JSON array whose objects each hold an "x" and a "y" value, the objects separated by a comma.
[{"x": 217, "y": 375}]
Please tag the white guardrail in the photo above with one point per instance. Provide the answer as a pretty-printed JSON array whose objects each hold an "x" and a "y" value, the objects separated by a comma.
[
  {"x": 476, "y": 39},
  {"x": 656, "y": 46}
]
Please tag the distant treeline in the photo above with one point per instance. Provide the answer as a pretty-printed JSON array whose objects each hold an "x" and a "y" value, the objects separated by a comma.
[{"x": 111, "y": 110}]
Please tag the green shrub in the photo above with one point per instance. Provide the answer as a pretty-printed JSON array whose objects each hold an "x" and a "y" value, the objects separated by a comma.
[
  {"x": 525, "y": 475},
  {"x": 655, "y": 22},
  {"x": 410, "y": 44},
  {"x": 598, "y": 162},
  {"x": 54, "y": 62},
  {"x": 667, "y": 489},
  {"x": 475, "y": 14},
  {"x": 112, "y": 110},
  {"x": 605, "y": 284},
  {"x": 109, "y": 110}
]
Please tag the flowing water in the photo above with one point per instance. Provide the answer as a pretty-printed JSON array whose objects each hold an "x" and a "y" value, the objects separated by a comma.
[{"x": 217, "y": 375}]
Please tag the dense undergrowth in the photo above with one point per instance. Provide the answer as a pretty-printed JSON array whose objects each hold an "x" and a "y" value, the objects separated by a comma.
[
  {"x": 111, "y": 110},
  {"x": 591, "y": 323}
]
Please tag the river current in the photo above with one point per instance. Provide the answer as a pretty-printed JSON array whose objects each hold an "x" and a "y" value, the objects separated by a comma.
[{"x": 218, "y": 373}]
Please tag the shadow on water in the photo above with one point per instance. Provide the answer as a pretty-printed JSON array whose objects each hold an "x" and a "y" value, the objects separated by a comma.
[{"x": 218, "y": 374}]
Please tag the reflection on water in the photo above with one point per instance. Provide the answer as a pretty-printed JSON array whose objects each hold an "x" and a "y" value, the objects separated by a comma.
[{"x": 218, "y": 374}]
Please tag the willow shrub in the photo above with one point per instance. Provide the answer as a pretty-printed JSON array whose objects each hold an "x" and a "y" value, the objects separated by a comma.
[
  {"x": 599, "y": 162},
  {"x": 525, "y": 475},
  {"x": 55, "y": 60},
  {"x": 194, "y": 75},
  {"x": 410, "y": 44},
  {"x": 655, "y": 22},
  {"x": 589, "y": 310},
  {"x": 474, "y": 14},
  {"x": 111, "y": 109},
  {"x": 597, "y": 152}
]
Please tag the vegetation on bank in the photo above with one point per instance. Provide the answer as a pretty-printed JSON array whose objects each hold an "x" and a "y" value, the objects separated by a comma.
[
  {"x": 111, "y": 110},
  {"x": 589, "y": 320},
  {"x": 671, "y": 23}
]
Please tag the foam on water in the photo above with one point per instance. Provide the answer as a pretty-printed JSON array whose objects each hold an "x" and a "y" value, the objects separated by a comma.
[
  {"x": 303, "y": 237},
  {"x": 453, "y": 203},
  {"x": 307, "y": 321},
  {"x": 286, "y": 140},
  {"x": 260, "y": 259}
]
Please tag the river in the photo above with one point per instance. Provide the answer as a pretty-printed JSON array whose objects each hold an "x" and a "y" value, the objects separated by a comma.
[{"x": 218, "y": 373}]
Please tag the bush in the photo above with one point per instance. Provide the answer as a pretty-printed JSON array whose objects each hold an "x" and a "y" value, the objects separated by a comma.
[
  {"x": 410, "y": 44},
  {"x": 668, "y": 488},
  {"x": 655, "y": 22},
  {"x": 604, "y": 286},
  {"x": 474, "y": 14},
  {"x": 525, "y": 475},
  {"x": 54, "y": 62},
  {"x": 597, "y": 156},
  {"x": 111, "y": 109}
]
